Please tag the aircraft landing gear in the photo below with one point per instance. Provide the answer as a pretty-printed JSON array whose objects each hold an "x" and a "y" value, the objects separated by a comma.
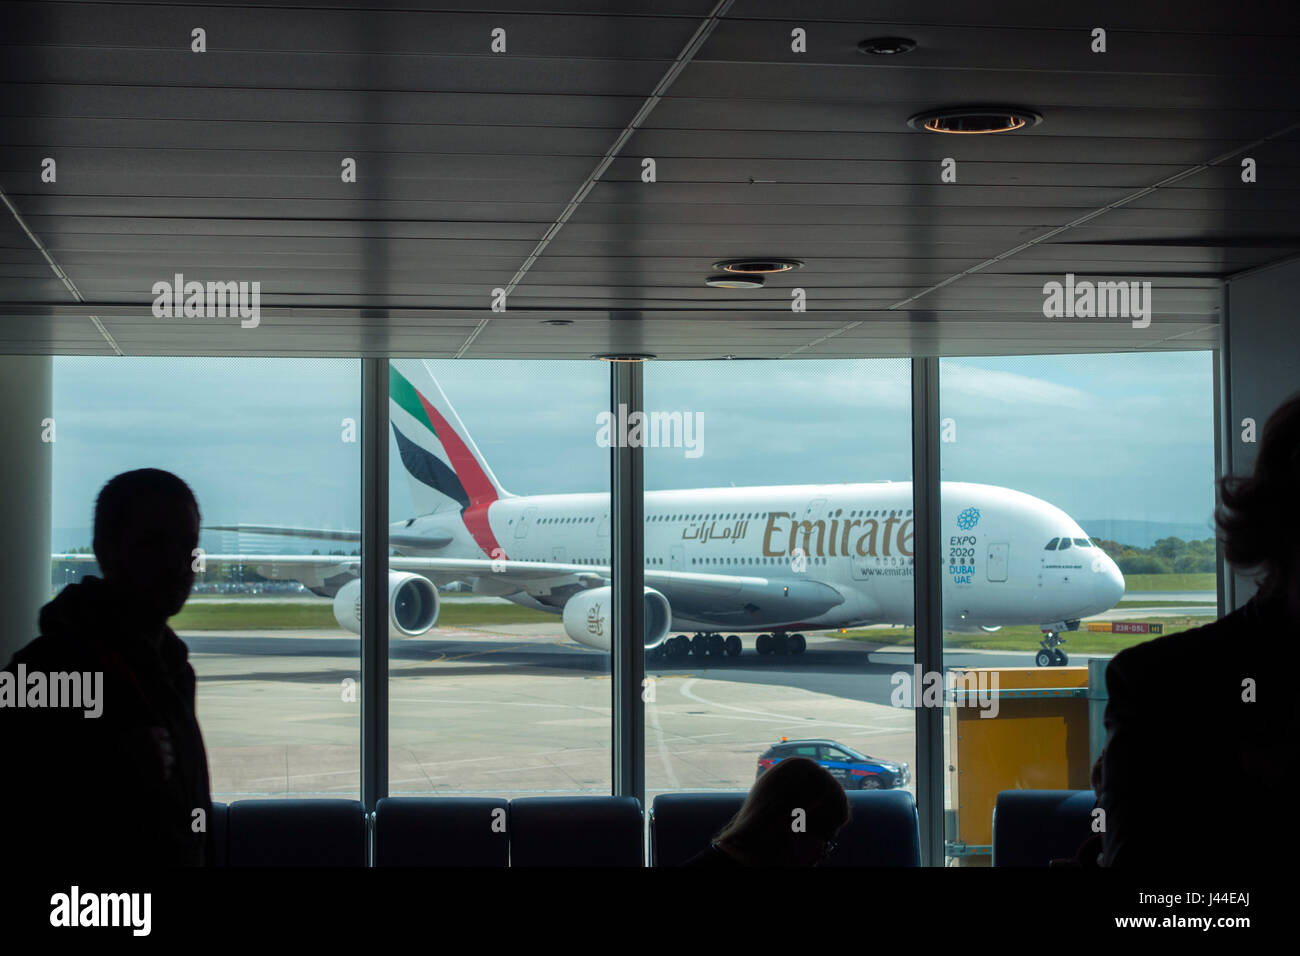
[
  {"x": 1051, "y": 654},
  {"x": 703, "y": 644},
  {"x": 779, "y": 643},
  {"x": 677, "y": 648}
]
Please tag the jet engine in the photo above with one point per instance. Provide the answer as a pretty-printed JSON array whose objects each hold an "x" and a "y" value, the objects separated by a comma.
[
  {"x": 412, "y": 605},
  {"x": 588, "y": 618}
]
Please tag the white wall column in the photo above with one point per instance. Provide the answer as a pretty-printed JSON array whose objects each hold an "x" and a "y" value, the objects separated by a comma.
[
  {"x": 26, "y": 470},
  {"x": 1261, "y": 366}
]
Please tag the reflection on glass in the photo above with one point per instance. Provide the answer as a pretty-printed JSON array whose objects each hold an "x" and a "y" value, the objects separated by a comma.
[
  {"x": 271, "y": 451},
  {"x": 1077, "y": 501},
  {"x": 500, "y": 619},
  {"x": 780, "y": 538}
]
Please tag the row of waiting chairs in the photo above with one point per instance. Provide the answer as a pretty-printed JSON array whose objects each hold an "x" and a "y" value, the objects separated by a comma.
[
  {"x": 596, "y": 831},
  {"x": 1030, "y": 828}
]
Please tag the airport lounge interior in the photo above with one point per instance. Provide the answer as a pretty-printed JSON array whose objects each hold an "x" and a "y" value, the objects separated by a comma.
[{"x": 377, "y": 379}]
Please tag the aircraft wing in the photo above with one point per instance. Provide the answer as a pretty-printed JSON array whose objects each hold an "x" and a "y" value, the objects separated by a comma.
[
  {"x": 721, "y": 599},
  {"x": 425, "y": 540},
  {"x": 726, "y": 600},
  {"x": 323, "y": 574}
]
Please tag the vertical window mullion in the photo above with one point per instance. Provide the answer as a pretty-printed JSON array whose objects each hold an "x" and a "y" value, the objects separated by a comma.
[
  {"x": 627, "y": 564},
  {"x": 374, "y": 580},
  {"x": 927, "y": 582}
]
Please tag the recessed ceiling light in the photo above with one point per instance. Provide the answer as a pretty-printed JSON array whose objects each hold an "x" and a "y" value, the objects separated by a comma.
[
  {"x": 623, "y": 356},
  {"x": 757, "y": 266},
  {"x": 557, "y": 321},
  {"x": 887, "y": 46},
  {"x": 735, "y": 282},
  {"x": 975, "y": 119}
]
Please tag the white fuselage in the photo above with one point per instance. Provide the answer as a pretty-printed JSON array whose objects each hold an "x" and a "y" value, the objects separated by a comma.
[{"x": 856, "y": 538}]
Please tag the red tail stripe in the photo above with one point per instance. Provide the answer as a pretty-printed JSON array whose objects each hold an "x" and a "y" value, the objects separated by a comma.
[{"x": 472, "y": 477}]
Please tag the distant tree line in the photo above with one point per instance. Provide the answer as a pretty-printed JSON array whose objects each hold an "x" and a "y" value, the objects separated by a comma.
[{"x": 1166, "y": 556}]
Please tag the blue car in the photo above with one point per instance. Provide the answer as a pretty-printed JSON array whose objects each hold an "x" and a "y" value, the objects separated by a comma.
[{"x": 854, "y": 771}]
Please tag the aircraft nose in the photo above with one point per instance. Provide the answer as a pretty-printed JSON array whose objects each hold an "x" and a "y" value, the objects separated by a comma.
[{"x": 1107, "y": 581}]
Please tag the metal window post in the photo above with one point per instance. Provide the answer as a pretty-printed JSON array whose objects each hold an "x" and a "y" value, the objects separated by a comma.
[
  {"x": 627, "y": 546},
  {"x": 927, "y": 583},
  {"x": 374, "y": 580},
  {"x": 1225, "y": 584}
]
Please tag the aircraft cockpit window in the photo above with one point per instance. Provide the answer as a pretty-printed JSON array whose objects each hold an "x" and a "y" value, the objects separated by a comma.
[
  {"x": 1082, "y": 543},
  {"x": 1065, "y": 543},
  {"x": 1051, "y": 545}
]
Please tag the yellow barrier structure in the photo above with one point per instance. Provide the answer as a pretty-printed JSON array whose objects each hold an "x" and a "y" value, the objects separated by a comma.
[{"x": 1038, "y": 740}]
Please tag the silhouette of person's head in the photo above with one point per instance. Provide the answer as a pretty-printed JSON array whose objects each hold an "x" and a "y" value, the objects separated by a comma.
[
  {"x": 146, "y": 530},
  {"x": 1259, "y": 515},
  {"x": 790, "y": 817}
]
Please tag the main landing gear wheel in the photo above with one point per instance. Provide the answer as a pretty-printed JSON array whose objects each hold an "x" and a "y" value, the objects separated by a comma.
[
  {"x": 656, "y": 653},
  {"x": 700, "y": 645},
  {"x": 780, "y": 643},
  {"x": 678, "y": 647},
  {"x": 733, "y": 645},
  {"x": 717, "y": 645},
  {"x": 763, "y": 644},
  {"x": 1059, "y": 659},
  {"x": 1044, "y": 658},
  {"x": 798, "y": 644}
]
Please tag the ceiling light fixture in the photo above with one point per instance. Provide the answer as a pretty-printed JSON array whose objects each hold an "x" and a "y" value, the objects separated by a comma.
[
  {"x": 623, "y": 356},
  {"x": 887, "y": 46},
  {"x": 751, "y": 267},
  {"x": 735, "y": 282},
  {"x": 975, "y": 119},
  {"x": 557, "y": 321}
]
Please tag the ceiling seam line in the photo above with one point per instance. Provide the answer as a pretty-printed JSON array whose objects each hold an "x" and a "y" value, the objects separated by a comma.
[
  {"x": 58, "y": 271},
  {"x": 702, "y": 33},
  {"x": 1037, "y": 240}
]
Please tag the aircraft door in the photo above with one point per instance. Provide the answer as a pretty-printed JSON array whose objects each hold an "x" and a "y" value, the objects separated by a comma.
[
  {"x": 815, "y": 511},
  {"x": 557, "y": 554},
  {"x": 858, "y": 565},
  {"x": 677, "y": 558},
  {"x": 521, "y": 526},
  {"x": 998, "y": 559}
]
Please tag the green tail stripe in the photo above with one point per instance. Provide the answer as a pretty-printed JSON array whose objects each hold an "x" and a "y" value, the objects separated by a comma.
[{"x": 404, "y": 394}]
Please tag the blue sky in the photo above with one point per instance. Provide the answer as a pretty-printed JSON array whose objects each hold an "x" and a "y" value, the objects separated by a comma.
[{"x": 1127, "y": 436}]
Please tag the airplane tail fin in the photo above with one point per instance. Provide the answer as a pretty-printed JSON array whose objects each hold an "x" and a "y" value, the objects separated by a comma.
[{"x": 442, "y": 463}]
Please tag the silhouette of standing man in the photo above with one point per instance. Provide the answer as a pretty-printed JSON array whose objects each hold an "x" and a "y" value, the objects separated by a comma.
[
  {"x": 1200, "y": 767},
  {"x": 129, "y": 786}
]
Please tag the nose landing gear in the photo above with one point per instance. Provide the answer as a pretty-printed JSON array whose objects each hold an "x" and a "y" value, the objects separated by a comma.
[{"x": 1051, "y": 654}]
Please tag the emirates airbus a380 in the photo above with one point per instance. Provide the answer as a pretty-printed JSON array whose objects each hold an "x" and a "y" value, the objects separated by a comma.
[{"x": 719, "y": 562}]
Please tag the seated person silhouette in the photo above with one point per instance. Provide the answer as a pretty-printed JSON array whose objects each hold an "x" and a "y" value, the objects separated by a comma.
[
  {"x": 1199, "y": 768},
  {"x": 790, "y": 818},
  {"x": 121, "y": 779}
]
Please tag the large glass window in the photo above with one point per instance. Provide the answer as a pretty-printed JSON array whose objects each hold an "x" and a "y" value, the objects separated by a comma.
[
  {"x": 271, "y": 449},
  {"x": 500, "y": 623},
  {"x": 778, "y": 514},
  {"x": 1078, "y": 494}
]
